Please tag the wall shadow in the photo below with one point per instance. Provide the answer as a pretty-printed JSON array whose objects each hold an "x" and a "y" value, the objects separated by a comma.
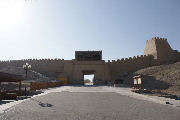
[
  {"x": 151, "y": 83},
  {"x": 148, "y": 82}
]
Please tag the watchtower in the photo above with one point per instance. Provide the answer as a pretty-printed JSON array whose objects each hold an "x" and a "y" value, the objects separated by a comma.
[{"x": 160, "y": 49}]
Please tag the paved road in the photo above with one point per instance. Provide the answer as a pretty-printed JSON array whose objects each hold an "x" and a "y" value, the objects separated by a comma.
[{"x": 86, "y": 103}]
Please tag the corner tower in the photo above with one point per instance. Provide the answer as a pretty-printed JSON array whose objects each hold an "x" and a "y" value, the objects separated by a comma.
[{"x": 160, "y": 49}]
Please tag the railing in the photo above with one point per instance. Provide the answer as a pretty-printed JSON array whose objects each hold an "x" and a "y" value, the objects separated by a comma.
[{"x": 43, "y": 85}]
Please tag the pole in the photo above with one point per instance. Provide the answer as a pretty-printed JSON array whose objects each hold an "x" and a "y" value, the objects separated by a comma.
[
  {"x": 20, "y": 87},
  {"x": 26, "y": 72},
  {"x": 25, "y": 91}
]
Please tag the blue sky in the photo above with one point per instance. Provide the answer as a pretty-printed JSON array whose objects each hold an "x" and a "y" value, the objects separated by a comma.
[{"x": 56, "y": 28}]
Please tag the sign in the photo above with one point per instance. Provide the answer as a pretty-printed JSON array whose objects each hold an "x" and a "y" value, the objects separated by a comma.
[{"x": 88, "y": 55}]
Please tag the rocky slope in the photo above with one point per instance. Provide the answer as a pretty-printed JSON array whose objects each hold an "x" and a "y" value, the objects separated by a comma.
[{"x": 163, "y": 78}]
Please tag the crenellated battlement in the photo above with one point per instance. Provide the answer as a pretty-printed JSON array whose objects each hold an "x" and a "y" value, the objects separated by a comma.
[
  {"x": 134, "y": 58},
  {"x": 31, "y": 60},
  {"x": 158, "y": 38},
  {"x": 157, "y": 51}
]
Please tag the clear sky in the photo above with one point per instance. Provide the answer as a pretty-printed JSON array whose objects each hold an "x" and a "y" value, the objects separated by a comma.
[{"x": 56, "y": 28}]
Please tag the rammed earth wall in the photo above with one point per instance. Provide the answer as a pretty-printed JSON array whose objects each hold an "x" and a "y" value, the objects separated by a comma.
[{"x": 157, "y": 51}]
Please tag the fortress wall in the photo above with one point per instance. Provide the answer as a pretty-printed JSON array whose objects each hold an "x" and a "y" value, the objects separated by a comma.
[
  {"x": 164, "y": 52},
  {"x": 156, "y": 52},
  {"x": 98, "y": 68},
  {"x": 151, "y": 48},
  {"x": 160, "y": 49},
  {"x": 107, "y": 72},
  {"x": 50, "y": 67},
  {"x": 178, "y": 56},
  {"x": 67, "y": 70},
  {"x": 120, "y": 67}
]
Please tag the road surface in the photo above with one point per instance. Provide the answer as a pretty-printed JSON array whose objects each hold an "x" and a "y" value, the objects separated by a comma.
[{"x": 88, "y": 103}]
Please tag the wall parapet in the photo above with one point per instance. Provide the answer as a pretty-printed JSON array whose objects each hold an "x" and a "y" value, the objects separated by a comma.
[
  {"x": 134, "y": 58},
  {"x": 28, "y": 60}
]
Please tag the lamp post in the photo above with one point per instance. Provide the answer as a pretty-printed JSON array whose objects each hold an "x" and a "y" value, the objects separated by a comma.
[{"x": 26, "y": 68}]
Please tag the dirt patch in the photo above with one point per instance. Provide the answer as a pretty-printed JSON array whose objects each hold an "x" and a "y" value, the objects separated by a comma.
[{"x": 163, "y": 79}]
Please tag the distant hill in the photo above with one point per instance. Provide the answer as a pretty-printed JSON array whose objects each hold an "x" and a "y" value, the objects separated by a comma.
[{"x": 164, "y": 78}]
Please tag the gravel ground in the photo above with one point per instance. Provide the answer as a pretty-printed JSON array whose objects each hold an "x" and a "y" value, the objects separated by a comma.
[
  {"x": 164, "y": 78},
  {"x": 89, "y": 103}
]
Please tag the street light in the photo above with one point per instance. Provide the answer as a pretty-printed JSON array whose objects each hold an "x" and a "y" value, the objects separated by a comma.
[{"x": 27, "y": 67}]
